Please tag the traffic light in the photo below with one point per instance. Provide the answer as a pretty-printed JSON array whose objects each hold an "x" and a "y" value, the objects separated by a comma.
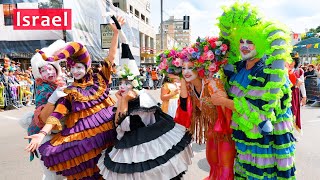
[{"x": 186, "y": 22}]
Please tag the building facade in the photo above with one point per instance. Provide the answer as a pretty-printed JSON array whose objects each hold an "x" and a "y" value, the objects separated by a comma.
[
  {"x": 20, "y": 45},
  {"x": 140, "y": 10},
  {"x": 174, "y": 28},
  {"x": 168, "y": 42}
]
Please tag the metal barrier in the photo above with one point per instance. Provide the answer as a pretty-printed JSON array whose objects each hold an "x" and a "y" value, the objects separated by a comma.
[{"x": 115, "y": 83}]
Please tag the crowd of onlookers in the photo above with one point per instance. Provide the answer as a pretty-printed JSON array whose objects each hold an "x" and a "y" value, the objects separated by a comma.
[
  {"x": 312, "y": 82},
  {"x": 17, "y": 86}
]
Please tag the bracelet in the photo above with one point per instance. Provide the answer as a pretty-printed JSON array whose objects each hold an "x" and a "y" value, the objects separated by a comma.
[{"x": 43, "y": 132}]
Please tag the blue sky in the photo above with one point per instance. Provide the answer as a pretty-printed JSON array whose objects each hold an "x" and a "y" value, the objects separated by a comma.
[{"x": 296, "y": 14}]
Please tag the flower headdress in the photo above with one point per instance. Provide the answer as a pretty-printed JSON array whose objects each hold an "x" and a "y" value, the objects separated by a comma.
[
  {"x": 169, "y": 62},
  {"x": 208, "y": 55},
  {"x": 134, "y": 80}
]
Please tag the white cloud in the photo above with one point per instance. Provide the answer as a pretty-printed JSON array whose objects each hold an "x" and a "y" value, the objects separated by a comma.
[{"x": 296, "y": 14}]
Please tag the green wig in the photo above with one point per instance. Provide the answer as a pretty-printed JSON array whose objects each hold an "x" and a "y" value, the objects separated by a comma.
[{"x": 271, "y": 39}]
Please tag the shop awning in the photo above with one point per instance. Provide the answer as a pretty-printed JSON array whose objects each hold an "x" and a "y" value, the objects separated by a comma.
[{"x": 22, "y": 49}]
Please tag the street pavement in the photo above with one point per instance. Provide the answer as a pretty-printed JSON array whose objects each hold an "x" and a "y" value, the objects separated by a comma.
[{"x": 15, "y": 165}]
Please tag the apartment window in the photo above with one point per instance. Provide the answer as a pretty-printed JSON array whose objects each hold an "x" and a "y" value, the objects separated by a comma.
[
  {"x": 8, "y": 13},
  {"x": 143, "y": 18},
  {"x": 131, "y": 9},
  {"x": 116, "y": 4},
  {"x": 137, "y": 14},
  {"x": 147, "y": 20}
]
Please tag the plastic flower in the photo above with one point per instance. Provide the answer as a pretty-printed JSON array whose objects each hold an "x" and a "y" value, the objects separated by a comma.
[
  {"x": 130, "y": 78},
  {"x": 201, "y": 73},
  {"x": 218, "y": 43},
  {"x": 210, "y": 55},
  {"x": 168, "y": 61},
  {"x": 224, "y": 47},
  {"x": 177, "y": 62},
  {"x": 213, "y": 67},
  {"x": 135, "y": 83}
]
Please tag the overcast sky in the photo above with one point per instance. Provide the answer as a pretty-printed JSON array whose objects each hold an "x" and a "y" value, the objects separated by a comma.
[{"x": 296, "y": 14}]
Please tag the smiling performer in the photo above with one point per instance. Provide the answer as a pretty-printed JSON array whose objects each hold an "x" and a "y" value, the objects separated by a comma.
[
  {"x": 209, "y": 124},
  {"x": 48, "y": 90},
  {"x": 260, "y": 94},
  {"x": 89, "y": 126},
  {"x": 150, "y": 144}
]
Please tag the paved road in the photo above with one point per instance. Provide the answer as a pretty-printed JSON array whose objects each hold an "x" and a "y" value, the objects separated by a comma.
[{"x": 14, "y": 164}]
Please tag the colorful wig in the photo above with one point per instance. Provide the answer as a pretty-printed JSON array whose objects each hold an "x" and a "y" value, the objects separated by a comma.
[{"x": 272, "y": 40}]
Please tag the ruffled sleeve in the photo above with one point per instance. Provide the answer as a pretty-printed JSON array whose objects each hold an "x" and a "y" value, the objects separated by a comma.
[
  {"x": 106, "y": 69},
  {"x": 62, "y": 109}
]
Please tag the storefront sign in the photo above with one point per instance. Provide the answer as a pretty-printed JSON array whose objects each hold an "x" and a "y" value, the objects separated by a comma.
[{"x": 106, "y": 36}]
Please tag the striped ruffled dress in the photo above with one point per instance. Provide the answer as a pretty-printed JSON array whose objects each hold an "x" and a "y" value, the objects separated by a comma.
[
  {"x": 261, "y": 156},
  {"x": 88, "y": 129}
]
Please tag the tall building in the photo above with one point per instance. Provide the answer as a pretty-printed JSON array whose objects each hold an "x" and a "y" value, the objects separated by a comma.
[
  {"x": 140, "y": 10},
  {"x": 168, "y": 42},
  {"x": 174, "y": 28}
]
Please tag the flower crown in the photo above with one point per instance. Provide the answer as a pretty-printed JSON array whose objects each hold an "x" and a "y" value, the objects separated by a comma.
[
  {"x": 168, "y": 62},
  {"x": 135, "y": 81},
  {"x": 208, "y": 55}
]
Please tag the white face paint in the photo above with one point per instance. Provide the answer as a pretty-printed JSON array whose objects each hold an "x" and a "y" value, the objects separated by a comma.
[
  {"x": 78, "y": 71},
  {"x": 48, "y": 73},
  {"x": 247, "y": 49},
  {"x": 187, "y": 71},
  {"x": 125, "y": 86}
]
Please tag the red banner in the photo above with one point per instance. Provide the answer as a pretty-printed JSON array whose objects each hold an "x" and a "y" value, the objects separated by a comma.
[{"x": 42, "y": 19}]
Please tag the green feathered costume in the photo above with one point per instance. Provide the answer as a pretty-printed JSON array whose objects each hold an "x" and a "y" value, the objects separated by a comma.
[{"x": 262, "y": 121}]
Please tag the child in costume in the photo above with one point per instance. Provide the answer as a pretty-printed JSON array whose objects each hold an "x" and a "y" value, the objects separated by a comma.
[
  {"x": 150, "y": 145},
  {"x": 209, "y": 123},
  {"x": 260, "y": 93},
  {"x": 296, "y": 76},
  {"x": 170, "y": 93},
  {"x": 89, "y": 126},
  {"x": 47, "y": 76},
  {"x": 171, "y": 87}
]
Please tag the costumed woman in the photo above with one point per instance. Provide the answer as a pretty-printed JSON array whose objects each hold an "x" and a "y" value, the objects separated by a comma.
[
  {"x": 296, "y": 76},
  {"x": 171, "y": 87},
  {"x": 260, "y": 93},
  {"x": 208, "y": 123},
  {"x": 89, "y": 126},
  {"x": 48, "y": 90},
  {"x": 150, "y": 145}
]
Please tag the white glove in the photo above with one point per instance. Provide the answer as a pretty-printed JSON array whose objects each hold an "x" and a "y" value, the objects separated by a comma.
[{"x": 57, "y": 94}]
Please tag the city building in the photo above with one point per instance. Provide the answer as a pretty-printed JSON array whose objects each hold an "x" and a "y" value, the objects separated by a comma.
[
  {"x": 140, "y": 10},
  {"x": 174, "y": 28},
  {"x": 20, "y": 45},
  {"x": 168, "y": 42}
]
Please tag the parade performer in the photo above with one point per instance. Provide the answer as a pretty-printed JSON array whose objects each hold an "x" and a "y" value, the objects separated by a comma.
[
  {"x": 208, "y": 123},
  {"x": 89, "y": 126},
  {"x": 47, "y": 80},
  {"x": 296, "y": 76},
  {"x": 150, "y": 145},
  {"x": 171, "y": 87},
  {"x": 260, "y": 94}
]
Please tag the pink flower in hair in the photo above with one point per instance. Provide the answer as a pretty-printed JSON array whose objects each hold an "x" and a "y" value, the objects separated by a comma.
[
  {"x": 213, "y": 67},
  {"x": 190, "y": 50},
  {"x": 163, "y": 65},
  {"x": 206, "y": 48},
  {"x": 177, "y": 62},
  {"x": 224, "y": 47},
  {"x": 210, "y": 55}
]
